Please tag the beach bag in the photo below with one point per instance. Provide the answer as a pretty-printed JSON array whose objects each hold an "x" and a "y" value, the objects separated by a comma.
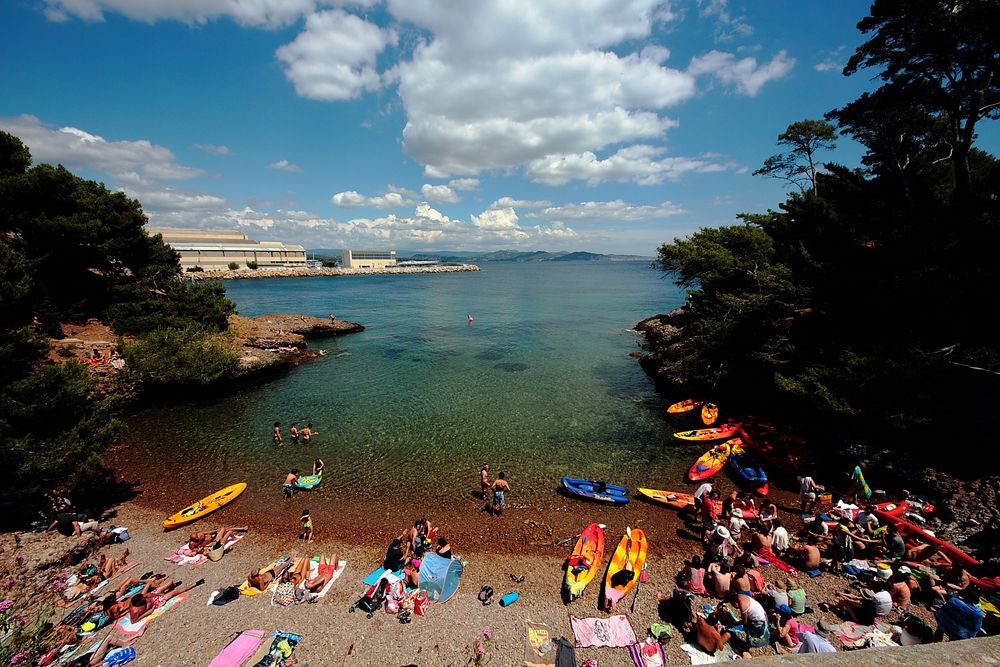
[
  {"x": 120, "y": 534},
  {"x": 216, "y": 553},
  {"x": 284, "y": 594},
  {"x": 420, "y": 602},
  {"x": 228, "y": 594}
]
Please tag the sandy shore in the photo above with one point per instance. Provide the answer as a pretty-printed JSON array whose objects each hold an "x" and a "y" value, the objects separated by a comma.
[{"x": 192, "y": 633}]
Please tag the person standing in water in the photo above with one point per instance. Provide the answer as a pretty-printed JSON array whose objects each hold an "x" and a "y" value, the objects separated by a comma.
[
  {"x": 307, "y": 433},
  {"x": 500, "y": 490},
  {"x": 289, "y": 486},
  {"x": 277, "y": 433},
  {"x": 318, "y": 466},
  {"x": 294, "y": 430},
  {"x": 484, "y": 481}
]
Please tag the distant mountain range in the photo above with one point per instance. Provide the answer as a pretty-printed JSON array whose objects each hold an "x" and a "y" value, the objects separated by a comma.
[{"x": 452, "y": 256}]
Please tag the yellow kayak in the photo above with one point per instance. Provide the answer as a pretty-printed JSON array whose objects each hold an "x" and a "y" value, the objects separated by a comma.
[
  {"x": 585, "y": 560},
  {"x": 205, "y": 506},
  {"x": 683, "y": 406},
  {"x": 631, "y": 550},
  {"x": 709, "y": 413}
]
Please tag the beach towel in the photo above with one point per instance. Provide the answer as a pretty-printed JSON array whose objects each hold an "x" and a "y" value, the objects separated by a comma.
[
  {"x": 119, "y": 656},
  {"x": 380, "y": 573},
  {"x": 314, "y": 570},
  {"x": 615, "y": 632},
  {"x": 699, "y": 657},
  {"x": 126, "y": 627},
  {"x": 539, "y": 649},
  {"x": 185, "y": 556},
  {"x": 813, "y": 573},
  {"x": 243, "y": 645},
  {"x": 647, "y": 654},
  {"x": 279, "y": 566},
  {"x": 282, "y": 648}
]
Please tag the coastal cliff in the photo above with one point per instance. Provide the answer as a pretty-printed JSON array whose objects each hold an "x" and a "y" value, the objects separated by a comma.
[{"x": 662, "y": 335}]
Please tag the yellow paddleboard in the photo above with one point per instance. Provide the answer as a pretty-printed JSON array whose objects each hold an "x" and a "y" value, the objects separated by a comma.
[{"x": 205, "y": 506}]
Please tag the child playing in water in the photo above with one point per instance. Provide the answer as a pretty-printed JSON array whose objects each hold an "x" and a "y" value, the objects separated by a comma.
[{"x": 289, "y": 487}]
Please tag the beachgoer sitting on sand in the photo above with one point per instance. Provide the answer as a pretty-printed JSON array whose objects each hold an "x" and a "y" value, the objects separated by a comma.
[
  {"x": 807, "y": 554},
  {"x": 692, "y": 576},
  {"x": 736, "y": 524},
  {"x": 443, "y": 548},
  {"x": 865, "y": 608},
  {"x": 719, "y": 578},
  {"x": 729, "y": 503},
  {"x": 411, "y": 575},
  {"x": 768, "y": 514},
  {"x": 753, "y": 616},
  {"x": 740, "y": 581},
  {"x": 394, "y": 556},
  {"x": 961, "y": 617},
  {"x": 939, "y": 588},
  {"x": 711, "y": 636},
  {"x": 720, "y": 543},
  {"x": 796, "y": 596},
  {"x": 777, "y": 593},
  {"x": 785, "y": 630}
]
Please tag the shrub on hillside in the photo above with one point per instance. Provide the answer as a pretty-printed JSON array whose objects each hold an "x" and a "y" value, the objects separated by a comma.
[
  {"x": 175, "y": 305},
  {"x": 178, "y": 356},
  {"x": 233, "y": 266}
]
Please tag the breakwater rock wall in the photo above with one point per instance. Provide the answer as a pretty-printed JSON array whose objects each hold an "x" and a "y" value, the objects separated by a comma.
[{"x": 247, "y": 274}]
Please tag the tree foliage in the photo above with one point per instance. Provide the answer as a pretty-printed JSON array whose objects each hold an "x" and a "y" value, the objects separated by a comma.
[
  {"x": 851, "y": 304},
  {"x": 181, "y": 356},
  {"x": 799, "y": 164},
  {"x": 71, "y": 249}
]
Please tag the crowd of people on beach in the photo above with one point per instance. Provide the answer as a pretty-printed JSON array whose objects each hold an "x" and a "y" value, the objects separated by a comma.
[{"x": 886, "y": 577}]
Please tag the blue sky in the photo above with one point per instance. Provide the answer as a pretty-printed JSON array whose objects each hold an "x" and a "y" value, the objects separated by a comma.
[{"x": 601, "y": 125}]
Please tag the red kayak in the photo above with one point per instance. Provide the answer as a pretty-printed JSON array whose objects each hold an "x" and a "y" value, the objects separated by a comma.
[
  {"x": 892, "y": 509},
  {"x": 907, "y": 529}
]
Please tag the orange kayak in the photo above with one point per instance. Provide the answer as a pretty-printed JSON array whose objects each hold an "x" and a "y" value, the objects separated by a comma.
[
  {"x": 712, "y": 461},
  {"x": 205, "y": 506},
  {"x": 631, "y": 551},
  {"x": 674, "y": 499},
  {"x": 583, "y": 563},
  {"x": 717, "y": 433},
  {"x": 683, "y": 406},
  {"x": 709, "y": 413}
]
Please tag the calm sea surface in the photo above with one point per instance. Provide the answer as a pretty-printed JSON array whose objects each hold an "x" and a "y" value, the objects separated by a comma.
[{"x": 541, "y": 385}]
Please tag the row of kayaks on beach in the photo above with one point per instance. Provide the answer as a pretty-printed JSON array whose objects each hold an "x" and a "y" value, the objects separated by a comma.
[
  {"x": 623, "y": 571},
  {"x": 619, "y": 495}
]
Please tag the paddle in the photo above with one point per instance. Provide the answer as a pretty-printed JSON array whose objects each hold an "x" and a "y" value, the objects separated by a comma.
[
  {"x": 637, "y": 585},
  {"x": 575, "y": 537}
]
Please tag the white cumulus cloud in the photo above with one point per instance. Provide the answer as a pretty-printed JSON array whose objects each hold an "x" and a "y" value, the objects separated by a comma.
[
  {"x": 267, "y": 13},
  {"x": 393, "y": 198},
  {"x": 464, "y": 183},
  {"x": 499, "y": 84},
  {"x": 78, "y": 149},
  {"x": 440, "y": 194},
  {"x": 641, "y": 164},
  {"x": 745, "y": 75},
  {"x": 606, "y": 211},
  {"x": 510, "y": 202},
  {"x": 334, "y": 57}
]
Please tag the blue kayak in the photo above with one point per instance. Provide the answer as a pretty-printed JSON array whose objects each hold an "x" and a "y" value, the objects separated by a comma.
[
  {"x": 749, "y": 471},
  {"x": 602, "y": 491}
]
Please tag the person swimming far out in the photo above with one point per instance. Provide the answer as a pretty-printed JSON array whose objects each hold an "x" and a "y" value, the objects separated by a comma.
[{"x": 471, "y": 319}]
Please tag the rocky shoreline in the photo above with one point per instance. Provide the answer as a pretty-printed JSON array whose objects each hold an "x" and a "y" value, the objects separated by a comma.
[
  {"x": 968, "y": 509},
  {"x": 247, "y": 274}
]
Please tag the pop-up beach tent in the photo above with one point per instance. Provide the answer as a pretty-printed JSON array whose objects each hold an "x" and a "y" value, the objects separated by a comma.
[{"x": 439, "y": 576}]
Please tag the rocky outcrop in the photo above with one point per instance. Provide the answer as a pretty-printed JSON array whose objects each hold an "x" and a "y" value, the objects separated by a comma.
[
  {"x": 247, "y": 274},
  {"x": 662, "y": 342},
  {"x": 271, "y": 342}
]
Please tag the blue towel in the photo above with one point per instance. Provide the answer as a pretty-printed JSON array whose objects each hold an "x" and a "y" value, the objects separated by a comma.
[
  {"x": 850, "y": 569},
  {"x": 813, "y": 573}
]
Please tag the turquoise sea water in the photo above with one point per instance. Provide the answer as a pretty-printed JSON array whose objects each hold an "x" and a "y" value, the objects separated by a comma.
[{"x": 541, "y": 385}]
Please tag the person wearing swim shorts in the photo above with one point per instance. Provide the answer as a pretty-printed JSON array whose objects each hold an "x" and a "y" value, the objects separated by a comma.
[
  {"x": 500, "y": 490},
  {"x": 289, "y": 486}
]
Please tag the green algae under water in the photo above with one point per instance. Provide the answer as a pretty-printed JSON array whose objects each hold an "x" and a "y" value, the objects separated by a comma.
[{"x": 541, "y": 385}]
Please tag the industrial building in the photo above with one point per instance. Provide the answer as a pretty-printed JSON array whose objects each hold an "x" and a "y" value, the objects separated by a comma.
[
  {"x": 367, "y": 259},
  {"x": 216, "y": 249}
]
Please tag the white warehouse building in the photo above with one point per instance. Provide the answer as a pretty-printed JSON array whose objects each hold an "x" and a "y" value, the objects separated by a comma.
[
  {"x": 367, "y": 259},
  {"x": 215, "y": 249}
]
